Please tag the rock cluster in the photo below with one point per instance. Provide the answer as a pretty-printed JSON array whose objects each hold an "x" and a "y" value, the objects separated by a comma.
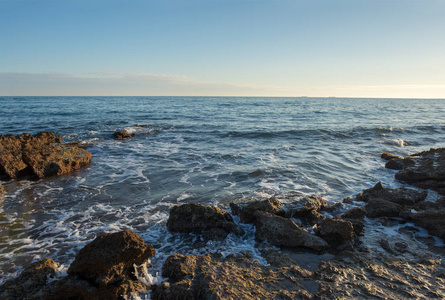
[
  {"x": 103, "y": 269},
  {"x": 424, "y": 169},
  {"x": 39, "y": 155}
]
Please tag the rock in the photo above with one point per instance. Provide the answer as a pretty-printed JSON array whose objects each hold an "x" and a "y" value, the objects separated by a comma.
[
  {"x": 1, "y": 191},
  {"x": 71, "y": 287},
  {"x": 389, "y": 156},
  {"x": 246, "y": 211},
  {"x": 234, "y": 277},
  {"x": 401, "y": 196},
  {"x": 122, "y": 134},
  {"x": 111, "y": 257},
  {"x": 382, "y": 208},
  {"x": 281, "y": 231},
  {"x": 432, "y": 220},
  {"x": 306, "y": 208},
  {"x": 199, "y": 218},
  {"x": 335, "y": 230},
  {"x": 356, "y": 216},
  {"x": 424, "y": 169},
  {"x": 31, "y": 282},
  {"x": 38, "y": 155}
]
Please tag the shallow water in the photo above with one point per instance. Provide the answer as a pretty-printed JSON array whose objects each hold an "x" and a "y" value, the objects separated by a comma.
[{"x": 196, "y": 149}]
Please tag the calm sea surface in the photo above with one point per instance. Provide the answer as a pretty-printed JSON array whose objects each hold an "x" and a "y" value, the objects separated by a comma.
[{"x": 196, "y": 150}]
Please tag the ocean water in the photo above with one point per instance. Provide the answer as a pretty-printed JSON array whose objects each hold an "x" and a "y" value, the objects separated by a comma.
[{"x": 209, "y": 150}]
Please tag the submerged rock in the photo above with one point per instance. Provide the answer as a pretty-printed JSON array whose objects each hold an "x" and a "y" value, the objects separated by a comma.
[
  {"x": 122, "y": 134},
  {"x": 31, "y": 282},
  {"x": 111, "y": 257},
  {"x": 285, "y": 232},
  {"x": 200, "y": 218},
  {"x": 424, "y": 169},
  {"x": 38, "y": 155}
]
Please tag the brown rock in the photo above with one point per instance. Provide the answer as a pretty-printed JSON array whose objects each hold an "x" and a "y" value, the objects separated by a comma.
[
  {"x": 306, "y": 208},
  {"x": 401, "y": 196},
  {"x": 237, "y": 277},
  {"x": 281, "y": 231},
  {"x": 424, "y": 169},
  {"x": 122, "y": 134},
  {"x": 382, "y": 208},
  {"x": 432, "y": 220},
  {"x": 39, "y": 156},
  {"x": 246, "y": 211},
  {"x": 389, "y": 156},
  {"x": 110, "y": 258},
  {"x": 199, "y": 218},
  {"x": 356, "y": 216},
  {"x": 335, "y": 230},
  {"x": 31, "y": 282}
]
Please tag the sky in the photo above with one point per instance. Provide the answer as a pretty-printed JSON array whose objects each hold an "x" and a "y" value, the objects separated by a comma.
[{"x": 315, "y": 48}]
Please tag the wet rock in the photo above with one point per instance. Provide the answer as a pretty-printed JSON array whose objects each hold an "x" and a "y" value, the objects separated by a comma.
[
  {"x": 389, "y": 156},
  {"x": 335, "y": 230},
  {"x": 306, "y": 208},
  {"x": 432, "y": 220},
  {"x": 1, "y": 192},
  {"x": 38, "y": 155},
  {"x": 246, "y": 210},
  {"x": 377, "y": 275},
  {"x": 31, "y": 282},
  {"x": 382, "y": 208},
  {"x": 285, "y": 232},
  {"x": 71, "y": 287},
  {"x": 111, "y": 257},
  {"x": 122, "y": 134},
  {"x": 401, "y": 196},
  {"x": 424, "y": 169},
  {"x": 200, "y": 218},
  {"x": 235, "y": 277},
  {"x": 356, "y": 216}
]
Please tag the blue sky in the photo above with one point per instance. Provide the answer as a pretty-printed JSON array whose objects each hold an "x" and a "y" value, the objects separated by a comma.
[{"x": 353, "y": 48}]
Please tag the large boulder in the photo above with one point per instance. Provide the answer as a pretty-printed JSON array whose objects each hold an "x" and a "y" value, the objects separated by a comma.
[
  {"x": 285, "y": 232},
  {"x": 31, "y": 282},
  {"x": 111, "y": 257},
  {"x": 424, "y": 169},
  {"x": 201, "y": 218},
  {"x": 246, "y": 210},
  {"x": 356, "y": 216},
  {"x": 39, "y": 155}
]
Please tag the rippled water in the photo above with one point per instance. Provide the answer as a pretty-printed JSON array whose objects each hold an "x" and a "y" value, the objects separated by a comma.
[{"x": 195, "y": 149}]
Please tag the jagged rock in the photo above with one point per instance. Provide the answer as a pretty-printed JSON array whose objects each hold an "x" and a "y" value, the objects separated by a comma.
[
  {"x": 237, "y": 277},
  {"x": 389, "y": 156},
  {"x": 1, "y": 192},
  {"x": 38, "y": 155},
  {"x": 111, "y": 257},
  {"x": 285, "y": 232},
  {"x": 424, "y": 169},
  {"x": 432, "y": 220},
  {"x": 306, "y": 208},
  {"x": 71, "y": 287},
  {"x": 382, "y": 208},
  {"x": 122, "y": 134},
  {"x": 356, "y": 216},
  {"x": 30, "y": 283},
  {"x": 335, "y": 230},
  {"x": 246, "y": 210},
  {"x": 401, "y": 196},
  {"x": 200, "y": 218}
]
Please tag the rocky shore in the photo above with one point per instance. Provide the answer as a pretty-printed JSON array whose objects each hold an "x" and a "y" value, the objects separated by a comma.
[
  {"x": 39, "y": 156},
  {"x": 352, "y": 261}
]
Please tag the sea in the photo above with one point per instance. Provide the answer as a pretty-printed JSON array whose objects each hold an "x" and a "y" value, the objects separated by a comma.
[{"x": 207, "y": 150}]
